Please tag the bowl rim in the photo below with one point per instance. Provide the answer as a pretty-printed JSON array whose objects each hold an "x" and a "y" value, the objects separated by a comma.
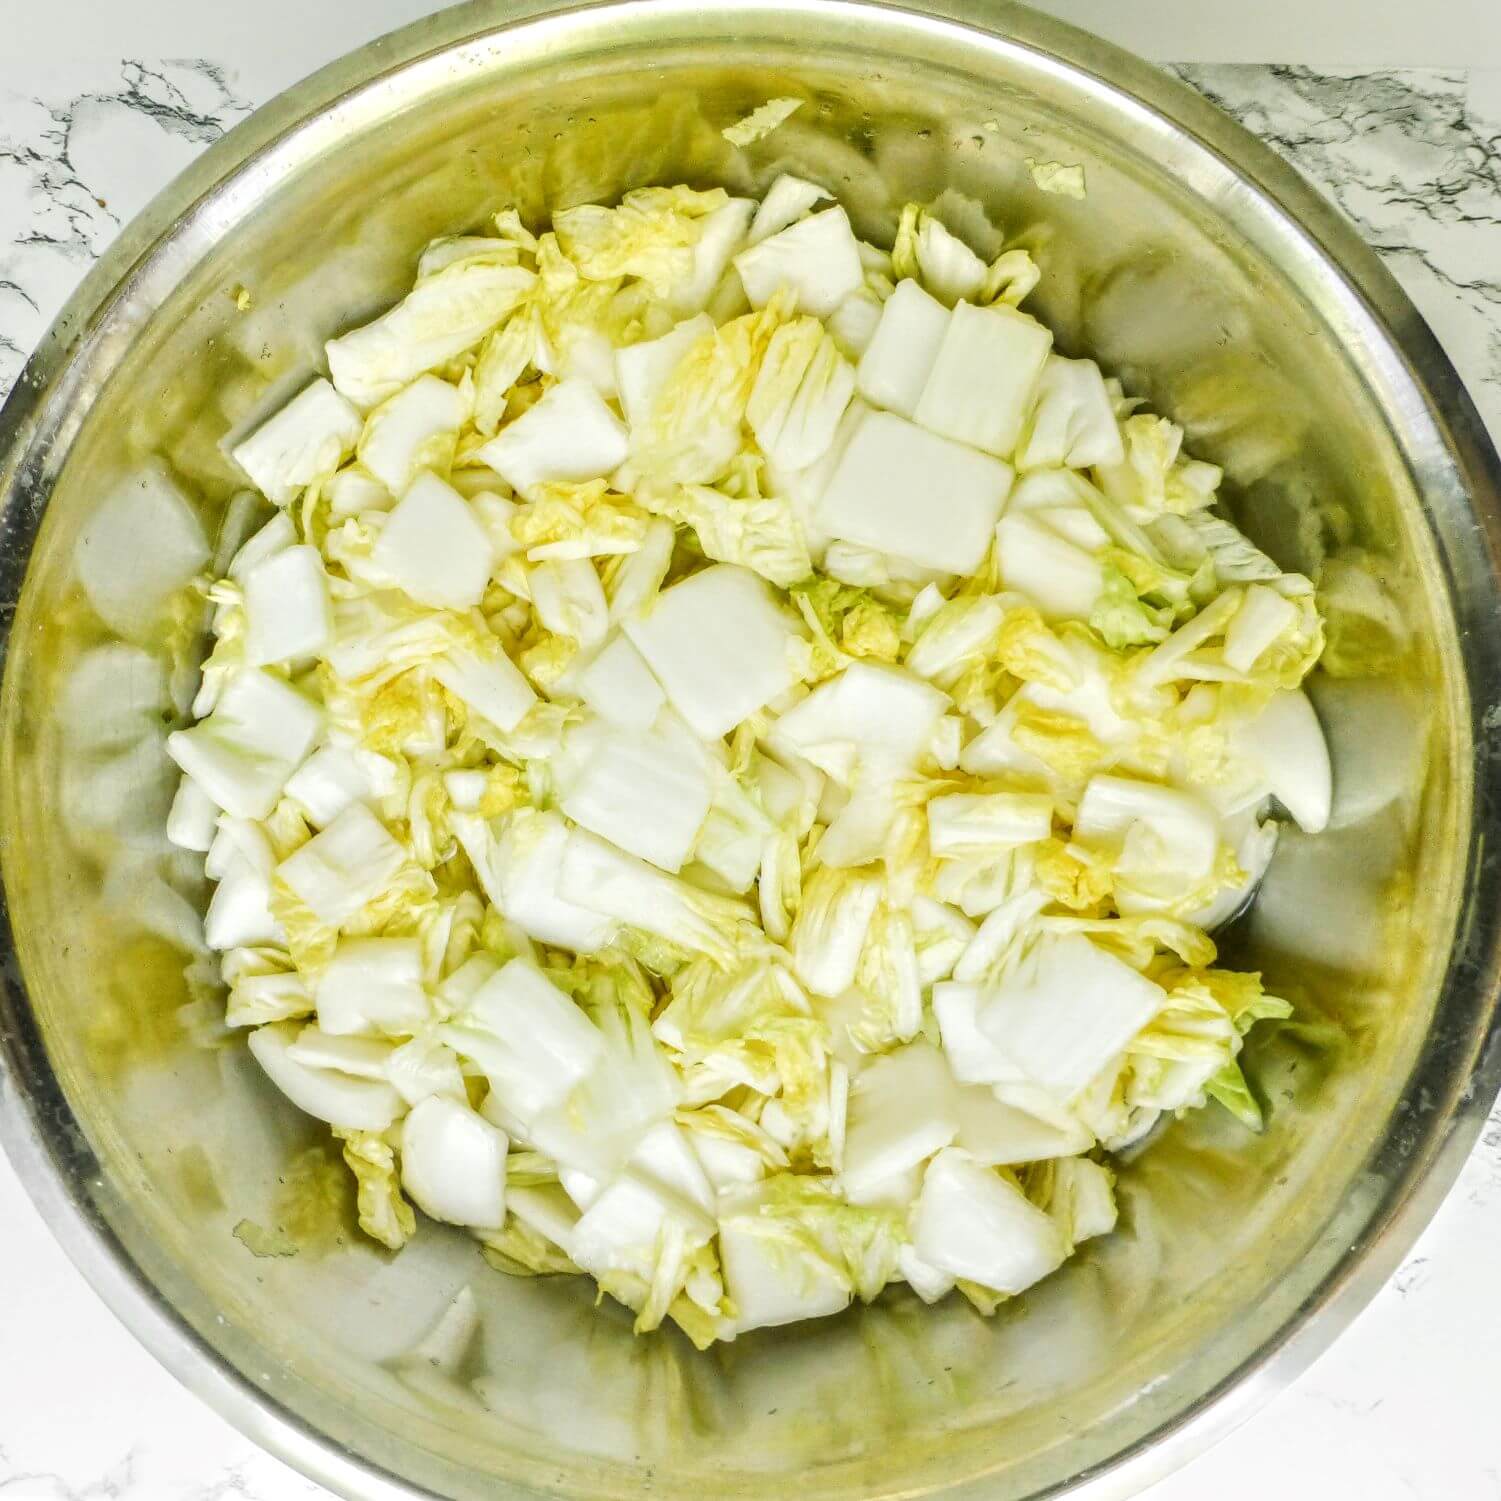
[{"x": 47, "y": 1145}]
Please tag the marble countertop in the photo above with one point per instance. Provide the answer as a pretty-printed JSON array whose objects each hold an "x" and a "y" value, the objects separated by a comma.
[{"x": 98, "y": 111}]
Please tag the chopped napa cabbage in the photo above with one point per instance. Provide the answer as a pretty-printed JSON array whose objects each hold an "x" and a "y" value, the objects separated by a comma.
[
  {"x": 976, "y": 1224},
  {"x": 575, "y": 326},
  {"x": 444, "y": 315},
  {"x": 732, "y": 841},
  {"x": 279, "y": 532},
  {"x": 639, "y": 1239},
  {"x": 240, "y": 911},
  {"x": 425, "y": 1067},
  {"x": 287, "y": 614},
  {"x": 477, "y": 671},
  {"x": 1005, "y": 934},
  {"x": 902, "y": 1110},
  {"x": 611, "y": 1119},
  {"x": 984, "y": 378},
  {"x": 651, "y": 234},
  {"x": 242, "y": 755},
  {"x": 569, "y": 436},
  {"x": 534, "y": 1044},
  {"x": 896, "y": 364},
  {"x": 828, "y": 936},
  {"x": 760, "y": 122},
  {"x": 787, "y": 200},
  {"x": 330, "y": 780},
  {"x": 1121, "y": 617},
  {"x": 343, "y": 1100},
  {"x": 969, "y": 823},
  {"x": 888, "y": 460},
  {"x": 359, "y": 1057},
  {"x": 263, "y": 986},
  {"x": 641, "y": 370},
  {"x": 1001, "y": 1134},
  {"x": 1073, "y": 422},
  {"x": 972, "y": 1056},
  {"x": 620, "y": 688},
  {"x": 638, "y": 790},
  {"x": 351, "y": 863},
  {"x": 504, "y": 358},
  {"x": 352, "y": 491},
  {"x": 695, "y": 431},
  {"x": 1154, "y": 476},
  {"x": 303, "y": 443},
  {"x": 542, "y": 1209},
  {"x": 518, "y": 866},
  {"x": 666, "y": 1156},
  {"x": 597, "y": 876},
  {"x": 1189, "y": 1051},
  {"x": 1071, "y": 877},
  {"x": 1264, "y": 617},
  {"x": 1060, "y": 729},
  {"x": 433, "y": 547},
  {"x": 846, "y": 621},
  {"x": 1197, "y": 650},
  {"x": 719, "y": 644},
  {"x": 1065, "y": 1011},
  {"x": 890, "y": 977},
  {"x": 853, "y": 324},
  {"x": 373, "y": 985},
  {"x": 801, "y": 391},
  {"x": 448, "y": 250},
  {"x": 568, "y": 521},
  {"x": 928, "y": 252},
  {"x": 868, "y": 821},
  {"x": 1078, "y": 1193},
  {"x": 193, "y": 817},
  {"x": 750, "y": 1025},
  {"x": 520, "y": 1249},
  {"x": 1062, "y": 579},
  {"x": 758, "y": 532},
  {"x": 569, "y": 600},
  {"x": 1286, "y": 742},
  {"x": 416, "y": 429},
  {"x": 956, "y": 636},
  {"x": 632, "y": 582},
  {"x": 1065, "y": 178},
  {"x": 383, "y": 1214},
  {"x": 868, "y": 709},
  {"x": 679, "y": 806},
  {"x": 930, "y": 1284},
  {"x": 712, "y": 285},
  {"x": 817, "y": 259},
  {"x": 792, "y": 1249},
  {"x": 1236, "y": 559},
  {"x": 940, "y": 934},
  {"x": 453, "y": 1164},
  {"x": 1011, "y": 279},
  {"x": 732, "y": 1150}
]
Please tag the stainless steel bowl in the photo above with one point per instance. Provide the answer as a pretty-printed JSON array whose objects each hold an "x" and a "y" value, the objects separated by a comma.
[{"x": 1221, "y": 287}]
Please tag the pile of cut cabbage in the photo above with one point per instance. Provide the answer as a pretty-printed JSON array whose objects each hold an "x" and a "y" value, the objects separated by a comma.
[{"x": 722, "y": 762}]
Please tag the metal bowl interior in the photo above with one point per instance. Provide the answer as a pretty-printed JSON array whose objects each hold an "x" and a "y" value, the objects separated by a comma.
[{"x": 1199, "y": 268}]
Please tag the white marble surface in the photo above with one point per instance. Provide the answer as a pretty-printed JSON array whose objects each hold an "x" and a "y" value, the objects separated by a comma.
[{"x": 92, "y": 120}]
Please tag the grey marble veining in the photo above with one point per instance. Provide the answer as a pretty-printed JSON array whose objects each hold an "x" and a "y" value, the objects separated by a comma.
[
  {"x": 1401, "y": 1407},
  {"x": 1413, "y": 158},
  {"x": 75, "y": 167}
]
